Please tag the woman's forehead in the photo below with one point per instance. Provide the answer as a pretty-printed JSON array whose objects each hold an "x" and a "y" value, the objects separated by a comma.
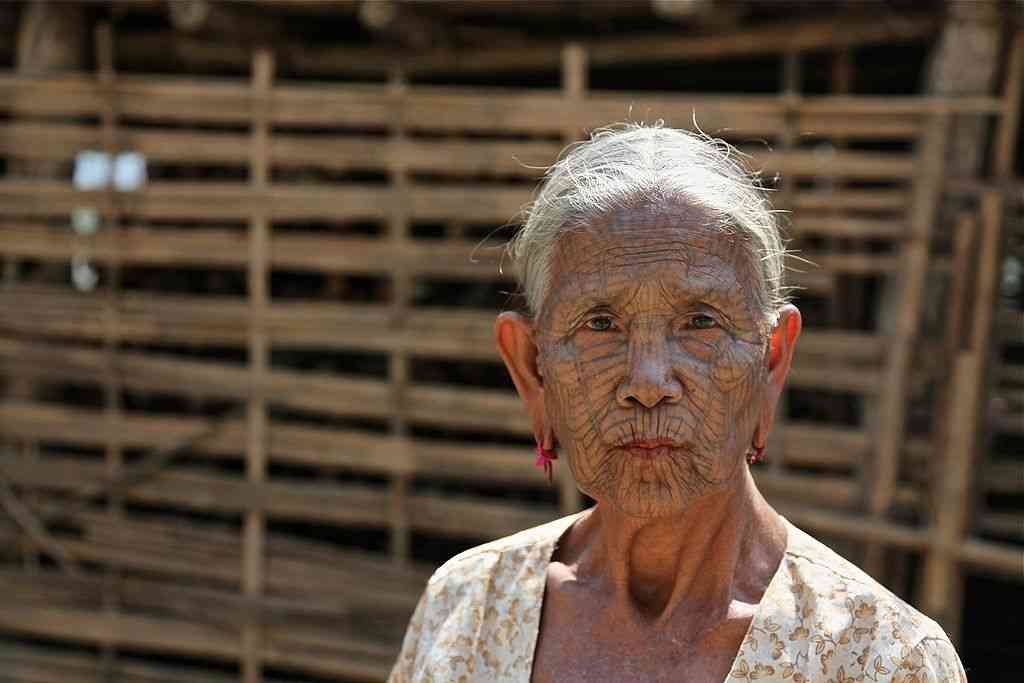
[
  {"x": 683, "y": 254},
  {"x": 642, "y": 240}
]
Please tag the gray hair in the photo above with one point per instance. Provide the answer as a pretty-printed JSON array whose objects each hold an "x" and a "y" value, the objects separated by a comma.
[{"x": 632, "y": 164}]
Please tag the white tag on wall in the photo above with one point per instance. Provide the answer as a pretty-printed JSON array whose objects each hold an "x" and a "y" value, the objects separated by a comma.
[
  {"x": 92, "y": 170},
  {"x": 129, "y": 171},
  {"x": 85, "y": 220}
]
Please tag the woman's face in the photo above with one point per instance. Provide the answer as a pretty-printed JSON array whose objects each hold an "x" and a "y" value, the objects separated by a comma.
[{"x": 651, "y": 348}]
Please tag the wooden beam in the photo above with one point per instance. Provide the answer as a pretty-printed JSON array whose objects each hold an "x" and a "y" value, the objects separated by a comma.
[{"x": 801, "y": 36}]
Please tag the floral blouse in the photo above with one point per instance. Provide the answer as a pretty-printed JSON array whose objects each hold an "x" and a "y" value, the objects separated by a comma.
[{"x": 820, "y": 619}]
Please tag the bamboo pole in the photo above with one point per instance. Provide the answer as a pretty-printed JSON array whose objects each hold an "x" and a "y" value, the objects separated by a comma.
[
  {"x": 1009, "y": 118},
  {"x": 575, "y": 76},
  {"x": 906, "y": 294},
  {"x": 942, "y": 582},
  {"x": 401, "y": 295},
  {"x": 942, "y": 586},
  {"x": 114, "y": 455},
  {"x": 790, "y": 80},
  {"x": 253, "y": 577}
]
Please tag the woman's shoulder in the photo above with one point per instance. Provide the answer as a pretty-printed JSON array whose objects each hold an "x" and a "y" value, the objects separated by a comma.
[
  {"x": 839, "y": 616},
  {"x": 509, "y": 555},
  {"x": 816, "y": 570},
  {"x": 480, "y": 610}
]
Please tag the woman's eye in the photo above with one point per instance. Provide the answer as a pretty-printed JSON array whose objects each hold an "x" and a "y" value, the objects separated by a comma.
[
  {"x": 703, "y": 322},
  {"x": 602, "y": 324}
]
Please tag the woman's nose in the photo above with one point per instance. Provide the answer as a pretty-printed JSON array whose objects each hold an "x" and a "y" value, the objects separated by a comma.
[{"x": 649, "y": 378}]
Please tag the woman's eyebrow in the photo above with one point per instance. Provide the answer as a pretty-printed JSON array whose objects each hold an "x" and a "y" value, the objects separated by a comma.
[
  {"x": 577, "y": 307},
  {"x": 712, "y": 290}
]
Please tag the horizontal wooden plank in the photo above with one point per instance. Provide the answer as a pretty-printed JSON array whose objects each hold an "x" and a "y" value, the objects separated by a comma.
[
  {"x": 444, "y": 259},
  {"x": 1006, "y": 525},
  {"x": 853, "y": 525},
  {"x": 212, "y": 201},
  {"x": 794, "y": 442},
  {"x": 1003, "y": 558},
  {"x": 812, "y": 223},
  {"x": 214, "y": 606},
  {"x": 428, "y": 332},
  {"x": 349, "y": 505},
  {"x": 837, "y": 164},
  {"x": 61, "y": 141},
  {"x": 1008, "y": 422},
  {"x": 37, "y": 663},
  {"x": 179, "y": 637},
  {"x": 862, "y": 126},
  {"x": 206, "y": 201},
  {"x": 96, "y": 628},
  {"x": 896, "y": 199},
  {"x": 231, "y": 100},
  {"x": 524, "y": 159},
  {"x": 349, "y": 582},
  {"x": 1010, "y": 324},
  {"x": 823, "y": 366},
  {"x": 228, "y": 249},
  {"x": 1003, "y": 477}
]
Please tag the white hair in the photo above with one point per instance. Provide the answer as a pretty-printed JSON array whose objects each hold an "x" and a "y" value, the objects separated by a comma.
[{"x": 630, "y": 165}]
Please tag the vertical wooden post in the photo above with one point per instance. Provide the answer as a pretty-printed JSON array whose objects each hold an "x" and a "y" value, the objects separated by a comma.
[
  {"x": 1009, "y": 119},
  {"x": 114, "y": 456},
  {"x": 846, "y": 299},
  {"x": 401, "y": 293},
  {"x": 942, "y": 583},
  {"x": 575, "y": 69},
  {"x": 256, "y": 451},
  {"x": 28, "y": 450},
  {"x": 942, "y": 587},
  {"x": 791, "y": 78},
  {"x": 905, "y": 294}
]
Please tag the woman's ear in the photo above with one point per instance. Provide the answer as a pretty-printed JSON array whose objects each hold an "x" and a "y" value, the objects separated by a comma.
[
  {"x": 781, "y": 345},
  {"x": 513, "y": 334}
]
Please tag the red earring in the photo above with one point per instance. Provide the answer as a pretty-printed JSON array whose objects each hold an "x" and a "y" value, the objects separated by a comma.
[
  {"x": 755, "y": 455},
  {"x": 545, "y": 460}
]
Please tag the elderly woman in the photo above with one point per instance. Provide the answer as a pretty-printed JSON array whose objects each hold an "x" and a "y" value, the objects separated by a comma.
[{"x": 651, "y": 360}]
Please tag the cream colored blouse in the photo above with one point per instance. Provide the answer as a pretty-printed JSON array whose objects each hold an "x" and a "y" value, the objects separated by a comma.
[{"x": 820, "y": 619}]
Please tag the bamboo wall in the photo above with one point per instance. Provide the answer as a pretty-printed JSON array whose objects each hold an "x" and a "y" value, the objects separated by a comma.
[{"x": 247, "y": 449}]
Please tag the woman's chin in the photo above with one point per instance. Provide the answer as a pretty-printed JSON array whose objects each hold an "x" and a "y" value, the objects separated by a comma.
[{"x": 650, "y": 501}]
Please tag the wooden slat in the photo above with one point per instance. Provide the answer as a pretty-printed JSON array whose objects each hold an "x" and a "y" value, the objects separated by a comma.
[
  {"x": 349, "y": 505},
  {"x": 258, "y": 347},
  {"x": 908, "y": 293},
  {"x": 798, "y": 443},
  {"x": 223, "y": 248},
  {"x": 35, "y": 663},
  {"x": 348, "y": 581},
  {"x": 537, "y": 55},
  {"x": 156, "y": 317},
  {"x": 61, "y": 141},
  {"x": 178, "y": 637}
]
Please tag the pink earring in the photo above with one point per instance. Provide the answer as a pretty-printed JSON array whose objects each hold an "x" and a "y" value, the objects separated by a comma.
[
  {"x": 545, "y": 460},
  {"x": 755, "y": 455}
]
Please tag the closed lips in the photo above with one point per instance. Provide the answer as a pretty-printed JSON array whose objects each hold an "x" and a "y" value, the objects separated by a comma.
[{"x": 650, "y": 448}]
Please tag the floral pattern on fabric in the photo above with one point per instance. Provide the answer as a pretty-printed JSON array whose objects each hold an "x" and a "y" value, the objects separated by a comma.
[{"x": 821, "y": 619}]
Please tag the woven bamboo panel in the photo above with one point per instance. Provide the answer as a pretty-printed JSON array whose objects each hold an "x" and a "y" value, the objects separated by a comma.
[
  {"x": 281, "y": 408},
  {"x": 1001, "y": 498}
]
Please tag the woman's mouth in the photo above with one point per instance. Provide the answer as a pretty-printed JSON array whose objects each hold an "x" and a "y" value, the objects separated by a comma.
[{"x": 651, "y": 448}]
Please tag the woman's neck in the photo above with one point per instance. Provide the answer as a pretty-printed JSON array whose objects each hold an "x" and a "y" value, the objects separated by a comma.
[{"x": 689, "y": 568}]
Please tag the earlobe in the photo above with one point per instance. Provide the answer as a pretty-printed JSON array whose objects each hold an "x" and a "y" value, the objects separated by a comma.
[
  {"x": 780, "y": 356},
  {"x": 783, "y": 341},
  {"x": 513, "y": 335}
]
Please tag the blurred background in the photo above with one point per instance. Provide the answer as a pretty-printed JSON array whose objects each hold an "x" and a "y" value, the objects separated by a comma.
[{"x": 251, "y": 256}]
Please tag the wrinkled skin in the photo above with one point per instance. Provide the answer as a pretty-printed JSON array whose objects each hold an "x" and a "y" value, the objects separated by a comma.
[{"x": 651, "y": 329}]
